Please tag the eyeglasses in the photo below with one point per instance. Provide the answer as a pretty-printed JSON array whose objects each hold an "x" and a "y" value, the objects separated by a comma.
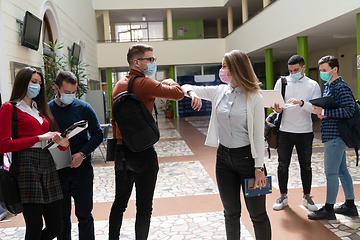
[{"x": 150, "y": 59}]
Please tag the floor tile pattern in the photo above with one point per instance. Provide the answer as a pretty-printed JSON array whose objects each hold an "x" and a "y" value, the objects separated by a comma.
[
  {"x": 172, "y": 149},
  {"x": 345, "y": 227},
  {"x": 175, "y": 179}
]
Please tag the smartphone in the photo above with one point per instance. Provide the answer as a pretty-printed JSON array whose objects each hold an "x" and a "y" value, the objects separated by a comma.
[{"x": 251, "y": 183}]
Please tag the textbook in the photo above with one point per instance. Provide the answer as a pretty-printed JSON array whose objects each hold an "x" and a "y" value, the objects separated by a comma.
[
  {"x": 327, "y": 102},
  {"x": 250, "y": 191}
]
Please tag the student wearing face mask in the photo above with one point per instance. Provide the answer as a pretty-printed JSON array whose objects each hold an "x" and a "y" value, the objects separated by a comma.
[
  {"x": 76, "y": 179},
  {"x": 296, "y": 130},
  {"x": 236, "y": 128},
  {"x": 39, "y": 184},
  {"x": 139, "y": 168},
  {"x": 334, "y": 147}
]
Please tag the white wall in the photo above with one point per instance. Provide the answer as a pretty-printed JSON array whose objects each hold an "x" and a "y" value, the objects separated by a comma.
[
  {"x": 76, "y": 20},
  {"x": 277, "y": 22},
  {"x": 156, "y": 4},
  {"x": 197, "y": 51}
]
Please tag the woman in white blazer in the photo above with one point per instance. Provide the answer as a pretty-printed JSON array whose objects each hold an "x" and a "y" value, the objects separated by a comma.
[{"x": 237, "y": 128}]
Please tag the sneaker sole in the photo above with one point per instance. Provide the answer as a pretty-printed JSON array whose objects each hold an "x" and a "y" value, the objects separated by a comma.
[
  {"x": 350, "y": 215},
  {"x": 332, "y": 218}
]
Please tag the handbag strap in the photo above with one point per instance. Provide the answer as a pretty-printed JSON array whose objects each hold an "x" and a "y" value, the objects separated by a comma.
[
  {"x": 129, "y": 89},
  {"x": 14, "y": 131}
]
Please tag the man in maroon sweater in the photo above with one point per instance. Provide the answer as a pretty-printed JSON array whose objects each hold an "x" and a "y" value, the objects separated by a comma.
[{"x": 142, "y": 167}]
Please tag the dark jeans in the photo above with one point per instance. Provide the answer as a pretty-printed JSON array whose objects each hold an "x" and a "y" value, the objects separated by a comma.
[
  {"x": 303, "y": 145},
  {"x": 78, "y": 183},
  {"x": 33, "y": 214},
  {"x": 233, "y": 166},
  {"x": 140, "y": 168}
]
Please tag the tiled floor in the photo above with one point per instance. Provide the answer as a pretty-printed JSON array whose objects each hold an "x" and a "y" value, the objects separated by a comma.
[{"x": 187, "y": 203}]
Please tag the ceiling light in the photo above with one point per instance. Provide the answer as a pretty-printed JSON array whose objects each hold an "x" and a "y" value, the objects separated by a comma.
[
  {"x": 351, "y": 35},
  {"x": 143, "y": 17}
]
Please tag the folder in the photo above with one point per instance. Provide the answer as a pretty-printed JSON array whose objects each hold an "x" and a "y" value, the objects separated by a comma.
[
  {"x": 327, "y": 102},
  {"x": 72, "y": 130},
  {"x": 250, "y": 191},
  {"x": 61, "y": 158}
]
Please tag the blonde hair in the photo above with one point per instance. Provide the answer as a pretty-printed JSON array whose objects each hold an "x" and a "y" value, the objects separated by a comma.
[{"x": 242, "y": 71}]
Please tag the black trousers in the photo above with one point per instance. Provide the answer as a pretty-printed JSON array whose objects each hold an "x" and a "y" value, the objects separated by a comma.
[
  {"x": 303, "y": 145},
  {"x": 133, "y": 168},
  {"x": 33, "y": 215},
  {"x": 233, "y": 166}
]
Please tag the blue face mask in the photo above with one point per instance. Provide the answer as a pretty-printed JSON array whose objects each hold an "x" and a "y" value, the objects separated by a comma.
[
  {"x": 151, "y": 69},
  {"x": 67, "y": 98},
  {"x": 33, "y": 90},
  {"x": 296, "y": 76},
  {"x": 325, "y": 76}
]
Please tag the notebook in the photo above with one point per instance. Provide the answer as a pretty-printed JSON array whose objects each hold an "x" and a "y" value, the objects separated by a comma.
[
  {"x": 250, "y": 191},
  {"x": 273, "y": 96}
]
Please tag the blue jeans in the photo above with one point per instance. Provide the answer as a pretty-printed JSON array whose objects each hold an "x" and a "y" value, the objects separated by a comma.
[
  {"x": 233, "y": 166},
  {"x": 131, "y": 168},
  {"x": 335, "y": 168},
  {"x": 78, "y": 183},
  {"x": 303, "y": 145}
]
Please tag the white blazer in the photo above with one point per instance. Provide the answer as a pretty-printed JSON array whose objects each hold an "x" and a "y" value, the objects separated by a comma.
[{"x": 255, "y": 118}]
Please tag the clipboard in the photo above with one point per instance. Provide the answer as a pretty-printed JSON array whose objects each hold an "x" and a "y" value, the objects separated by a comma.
[
  {"x": 327, "y": 102},
  {"x": 72, "y": 130},
  {"x": 61, "y": 158},
  {"x": 274, "y": 96},
  {"x": 250, "y": 191}
]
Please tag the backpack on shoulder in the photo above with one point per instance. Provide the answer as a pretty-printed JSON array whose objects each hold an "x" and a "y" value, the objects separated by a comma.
[
  {"x": 136, "y": 124},
  {"x": 349, "y": 129}
]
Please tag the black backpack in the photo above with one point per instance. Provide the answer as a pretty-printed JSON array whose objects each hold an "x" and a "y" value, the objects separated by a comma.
[
  {"x": 349, "y": 128},
  {"x": 136, "y": 124}
]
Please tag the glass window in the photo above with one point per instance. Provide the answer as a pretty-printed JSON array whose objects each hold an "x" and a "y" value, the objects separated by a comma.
[
  {"x": 188, "y": 70},
  {"x": 211, "y": 69},
  {"x": 139, "y": 31},
  {"x": 122, "y": 32},
  {"x": 156, "y": 31}
]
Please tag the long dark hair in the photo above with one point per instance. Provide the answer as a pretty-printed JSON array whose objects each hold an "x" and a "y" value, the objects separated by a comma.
[{"x": 19, "y": 90}]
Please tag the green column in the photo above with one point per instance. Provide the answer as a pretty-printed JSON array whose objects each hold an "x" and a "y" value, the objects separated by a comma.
[
  {"x": 172, "y": 76},
  {"x": 109, "y": 84},
  {"x": 358, "y": 50},
  {"x": 302, "y": 50},
  {"x": 269, "y": 71}
]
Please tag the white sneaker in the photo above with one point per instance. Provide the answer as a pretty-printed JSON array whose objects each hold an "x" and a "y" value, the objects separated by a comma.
[
  {"x": 281, "y": 202},
  {"x": 309, "y": 204}
]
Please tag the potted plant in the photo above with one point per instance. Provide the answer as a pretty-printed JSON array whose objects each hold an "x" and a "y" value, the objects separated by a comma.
[{"x": 166, "y": 106}]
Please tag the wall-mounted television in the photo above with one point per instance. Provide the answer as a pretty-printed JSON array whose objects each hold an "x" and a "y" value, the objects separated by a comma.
[
  {"x": 31, "y": 31},
  {"x": 75, "y": 53}
]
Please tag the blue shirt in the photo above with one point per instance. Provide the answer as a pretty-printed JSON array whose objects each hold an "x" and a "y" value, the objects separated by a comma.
[
  {"x": 232, "y": 119},
  {"x": 344, "y": 97},
  {"x": 78, "y": 110}
]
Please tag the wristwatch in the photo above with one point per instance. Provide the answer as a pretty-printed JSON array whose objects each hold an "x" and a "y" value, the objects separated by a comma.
[
  {"x": 82, "y": 155},
  {"x": 260, "y": 169},
  {"x": 302, "y": 104}
]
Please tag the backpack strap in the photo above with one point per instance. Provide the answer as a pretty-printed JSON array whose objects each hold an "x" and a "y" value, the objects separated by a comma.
[
  {"x": 277, "y": 124},
  {"x": 129, "y": 89},
  {"x": 283, "y": 88}
]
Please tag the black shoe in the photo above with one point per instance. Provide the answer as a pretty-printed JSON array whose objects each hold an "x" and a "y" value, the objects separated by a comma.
[
  {"x": 343, "y": 209},
  {"x": 322, "y": 214}
]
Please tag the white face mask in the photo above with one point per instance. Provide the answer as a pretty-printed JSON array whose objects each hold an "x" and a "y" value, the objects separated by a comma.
[{"x": 67, "y": 98}]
